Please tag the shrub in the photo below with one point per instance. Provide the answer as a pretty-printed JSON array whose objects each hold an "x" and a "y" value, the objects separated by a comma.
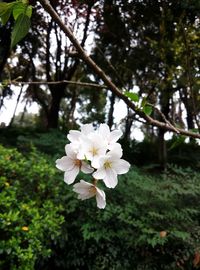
[
  {"x": 150, "y": 222},
  {"x": 29, "y": 219}
]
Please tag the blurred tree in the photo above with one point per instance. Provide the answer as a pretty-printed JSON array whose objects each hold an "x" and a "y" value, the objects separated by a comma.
[
  {"x": 151, "y": 44},
  {"x": 154, "y": 45}
]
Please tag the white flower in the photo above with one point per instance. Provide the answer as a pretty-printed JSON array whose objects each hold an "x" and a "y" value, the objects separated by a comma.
[
  {"x": 75, "y": 135},
  {"x": 100, "y": 149},
  {"x": 86, "y": 190},
  {"x": 110, "y": 166},
  {"x": 92, "y": 148},
  {"x": 110, "y": 136},
  {"x": 71, "y": 165}
]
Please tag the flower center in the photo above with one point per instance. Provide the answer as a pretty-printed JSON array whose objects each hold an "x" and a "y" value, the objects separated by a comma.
[
  {"x": 92, "y": 190},
  {"x": 94, "y": 151},
  {"x": 78, "y": 163},
  {"x": 107, "y": 165}
]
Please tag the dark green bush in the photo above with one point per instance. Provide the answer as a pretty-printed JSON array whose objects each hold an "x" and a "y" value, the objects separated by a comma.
[
  {"x": 51, "y": 142},
  {"x": 43, "y": 226},
  {"x": 126, "y": 235}
]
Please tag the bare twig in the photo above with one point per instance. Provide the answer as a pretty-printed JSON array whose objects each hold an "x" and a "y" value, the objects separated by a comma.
[
  {"x": 164, "y": 118},
  {"x": 15, "y": 82},
  {"x": 88, "y": 60}
]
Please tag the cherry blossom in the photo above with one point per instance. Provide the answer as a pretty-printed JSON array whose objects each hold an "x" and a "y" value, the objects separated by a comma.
[
  {"x": 95, "y": 152},
  {"x": 86, "y": 190},
  {"x": 71, "y": 165},
  {"x": 110, "y": 166}
]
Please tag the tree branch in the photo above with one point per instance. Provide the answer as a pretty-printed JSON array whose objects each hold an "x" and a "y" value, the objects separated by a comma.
[
  {"x": 88, "y": 60},
  {"x": 15, "y": 82}
]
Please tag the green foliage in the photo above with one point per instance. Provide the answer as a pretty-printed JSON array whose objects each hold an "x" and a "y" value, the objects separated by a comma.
[
  {"x": 51, "y": 143},
  {"x": 20, "y": 29},
  {"x": 144, "y": 106},
  {"x": 20, "y": 9},
  {"x": 21, "y": 12},
  {"x": 150, "y": 222},
  {"x": 127, "y": 234},
  {"x": 30, "y": 218},
  {"x": 5, "y": 11},
  {"x": 147, "y": 109},
  {"x": 133, "y": 96},
  {"x": 179, "y": 152}
]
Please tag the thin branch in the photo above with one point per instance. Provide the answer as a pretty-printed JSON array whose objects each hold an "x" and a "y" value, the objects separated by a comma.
[
  {"x": 164, "y": 118},
  {"x": 88, "y": 60},
  {"x": 87, "y": 22},
  {"x": 111, "y": 66},
  {"x": 15, "y": 82},
  {"x": 16, "y": 105}
]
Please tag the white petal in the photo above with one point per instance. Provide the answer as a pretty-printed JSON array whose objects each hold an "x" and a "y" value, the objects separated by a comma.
[
  {"x": 99, "y": 174},
  {"x": 100, "y": 198},
  {"x": 81, "y": 154},
  {"x": 82, "y": 186},
  {"x": 69, "y": 176},
  {"x": 70, "y": 150},
  {"x": 84, "y": 190},
  {"x": 115, "y": 135},
  {"x": 121, "y": 166},
  {"x": 104, "y": 130},
  {"x": 110, "y": 178},
  {"x": 86, "y": 168},
  {"x": 95, "y": 162},
  {"x": 85, "y": 196},
  {"x": 115, "y": 150},
  {"x": 87, "y": 128},
  {"x": 74, "y": 135},
  {"x": 64, "y": 164}
]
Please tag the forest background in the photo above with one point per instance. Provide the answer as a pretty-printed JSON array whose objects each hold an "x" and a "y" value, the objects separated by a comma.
[{"x": 150, "y": 53}]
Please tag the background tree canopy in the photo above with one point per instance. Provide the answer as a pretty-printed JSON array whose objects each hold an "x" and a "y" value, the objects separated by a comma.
[{"x": 151, "y": 45}]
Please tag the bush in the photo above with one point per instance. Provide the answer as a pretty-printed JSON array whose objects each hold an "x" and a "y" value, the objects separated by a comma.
[
  {"x": 51, "y": 142},
  {"x": 150, "y": 222},
  {"x": 29, "y": 219}
]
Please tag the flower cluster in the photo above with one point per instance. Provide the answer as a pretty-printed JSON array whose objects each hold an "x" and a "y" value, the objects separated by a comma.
[{"x": 94, "y": 152}]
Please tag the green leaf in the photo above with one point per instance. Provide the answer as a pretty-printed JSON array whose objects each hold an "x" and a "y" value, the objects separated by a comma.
[
  {"x": 29, "y": 11},
  {"x": 5, "y": 17},
  {"x": 147, "y": 109},
  {"x": 144, "y": 101},
  {"x": 133, "y": 96},
  {"x": 21, "y": 8},
  {"x": 20, "y": 30},
  {"x": 5, "y": 11}
]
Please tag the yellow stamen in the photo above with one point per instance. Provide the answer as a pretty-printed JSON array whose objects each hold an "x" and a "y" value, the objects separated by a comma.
[
  {"x": 94, "y": 151},
  {"x": 107, "y": 165}
]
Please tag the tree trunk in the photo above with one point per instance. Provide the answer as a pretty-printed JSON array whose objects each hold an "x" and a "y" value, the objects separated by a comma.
[
  {"x": 53, "y": 114},
  {"x": 111, "y": 110},
  {"x": 189, "y": 108},
  {"x": 162, "y": 150},
  {"x": 128, "y": 125},
  {"x": 4, "y": 46}
]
